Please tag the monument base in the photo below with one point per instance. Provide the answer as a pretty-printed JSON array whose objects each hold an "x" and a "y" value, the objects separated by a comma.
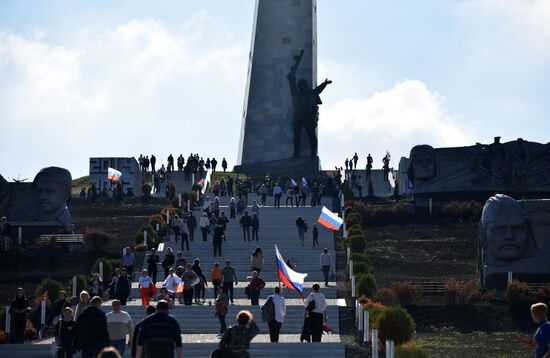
[{"x": 292, "y": 167}]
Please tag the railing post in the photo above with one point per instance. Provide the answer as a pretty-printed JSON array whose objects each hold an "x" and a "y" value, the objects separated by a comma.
[
  {"x": 510, "y": 277},
  {"x": 353, "y": 287},
  {"x": 389, "y": 349},
  {"x": 8, "y": 322},
  {"x": 365, "y": 326},
  {"x": 20, "y": 236},
  {"x": 101, "y": 270},
  {"x": 374, "y": 343},
  {"x": 350, "y": 268},
  {"x": 360, "y": 324},
  {"x": 43, "y": 312},
  {"x": 348, "y": 253},
  {"x": 74, "y": 286},
  {"x": 145, "y": 238}
]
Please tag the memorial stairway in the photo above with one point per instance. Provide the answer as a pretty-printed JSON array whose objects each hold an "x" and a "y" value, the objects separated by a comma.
[{"x": 198, "y": 323}]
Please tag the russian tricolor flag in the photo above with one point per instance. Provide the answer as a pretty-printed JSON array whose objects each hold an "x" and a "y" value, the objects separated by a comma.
[
  {"x": 330, "y": 220},
  {"x": 293, "y": 183},
  {"x": 113, "y": 174},
  {"x": 290, "y": 278}
]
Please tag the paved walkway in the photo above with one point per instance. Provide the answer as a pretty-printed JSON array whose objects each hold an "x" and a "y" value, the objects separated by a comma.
[{"x": 277, "y": 226}]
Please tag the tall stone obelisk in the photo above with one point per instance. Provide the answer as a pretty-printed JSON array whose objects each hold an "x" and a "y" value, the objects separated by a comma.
[{"x": 282, "y": 28}]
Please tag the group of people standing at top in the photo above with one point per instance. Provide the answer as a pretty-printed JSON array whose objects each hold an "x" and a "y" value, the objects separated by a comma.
[
  {"x": 351, "y": 164},
  {"x": 194, "y": 163}
]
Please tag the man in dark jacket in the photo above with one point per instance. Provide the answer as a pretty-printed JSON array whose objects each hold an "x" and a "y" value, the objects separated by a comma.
[
  {"x": 91, "y": 330},
  {"x": 191, "y": 225},
  {"x": 255, "y": 227},
  {"x": 122, "y": 287},
  {"x": 149, "y": 310},
  {"x": 246, "y": 223},
  {"x": 218, "y": 239},
  {"x": 159, "y": 335}
]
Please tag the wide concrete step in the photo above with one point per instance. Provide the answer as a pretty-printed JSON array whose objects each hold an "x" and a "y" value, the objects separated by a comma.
[{"x": 203, "y": 350}]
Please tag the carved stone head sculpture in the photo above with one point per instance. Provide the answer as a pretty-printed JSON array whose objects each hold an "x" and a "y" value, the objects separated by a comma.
[
  {"x": 53, "y": 189},
  {"x": 504, "y": 230},
  {"x": 422, "y": 165}
]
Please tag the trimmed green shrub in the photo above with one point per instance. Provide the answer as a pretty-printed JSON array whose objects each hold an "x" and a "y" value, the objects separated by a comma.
[
  {"x": 98, "y": 239},
  {"x": 157, "y": 219},
  {"x": 410, "y": 351},
  {"x": 146, "y": 189},
  {"x": 366, "y": 285},
  {"x": 357, "y": 243},
  {"x": 360, "y": 267},
  {"x": 50, "y": 287},
  {"x": 355, "y": 230},
  {"x": 353, "y": 219},
  {"x": 109, "y": 266},
  {"x": 151, "y": 236},
  {"x": 361, "y": 258},
  {"x": 395, "y": 323}
]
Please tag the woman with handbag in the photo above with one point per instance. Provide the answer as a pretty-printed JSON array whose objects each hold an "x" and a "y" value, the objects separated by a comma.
[
  {"x": 65, "y": 337},
  {"x": 221, "y": 304},
  {"x": 19, "y": 309}
]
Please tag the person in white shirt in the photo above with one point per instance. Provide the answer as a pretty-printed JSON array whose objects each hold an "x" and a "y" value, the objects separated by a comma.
[
  {"x": 325, "y": 262},
  {"x": 204, "y": 224},
  {"x": 171, "y": 283},
  {"x": 119, "y": 325},
  {"x": 145, "y": 286},
  {"x": 318, "y": 315},
  {"x": 280, "y": 313},
  {"x": 277, "y": 193}
]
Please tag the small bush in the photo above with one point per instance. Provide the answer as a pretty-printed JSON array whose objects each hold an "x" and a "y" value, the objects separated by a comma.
[
  {"x": 171, "y": 213},
  {"x": 49, "y": 288},
  {"x": 409, "y": 350},
  {"x": 146, "y": 189},
  {"x": 360, "y": 268},
  {"x": 407, "y": 292},
  {"x": 373, "y": 307},
  {"x": 360, "y": 258},
  {"x": 357, "y": 243},
  {"x": 151, "y": 236},
  {"x": 464, "y": 293},
  {"x": 355, "y": 230},
  {"x": 99, "y": 239},
  {"x": 109, "y": 266},
  {"x": 353, "y": 219},
  {"x": 157, "y": 219},
  {"x": 387, "y": 296},
  {"x": 518, "y": 294},
  {"x": 30, "y": 331},
  {"x": 139, "y": 247},
  {"x": 462, "y": 209},
  {"x": 366, "y": 286},
  {"x": 2, "y": 337},
  {"x": 395, "y": 323}
]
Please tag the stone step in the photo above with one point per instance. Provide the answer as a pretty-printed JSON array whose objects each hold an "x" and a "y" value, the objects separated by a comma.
[{"x": 202, "y": 350}]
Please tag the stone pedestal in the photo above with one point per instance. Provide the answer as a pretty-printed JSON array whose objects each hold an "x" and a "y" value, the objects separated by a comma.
[{"x": 294, "y": 168}]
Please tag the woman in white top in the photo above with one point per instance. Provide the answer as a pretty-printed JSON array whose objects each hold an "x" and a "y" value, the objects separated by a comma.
[
  {"x": 318, "y": 314},
  {"x": 145, "y": 286},
  {"x": 257, "y": 260}
]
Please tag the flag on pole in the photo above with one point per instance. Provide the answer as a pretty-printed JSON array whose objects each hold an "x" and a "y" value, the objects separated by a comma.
[
  {"x": 293, "y": 183},
  {"x": 304, "y": 181},
  {"x": 113, "y": 174},
  {"x": 329, "y": 219},
  {"x": 201, "y": 182},
  {"x": 290, "y": 278}
]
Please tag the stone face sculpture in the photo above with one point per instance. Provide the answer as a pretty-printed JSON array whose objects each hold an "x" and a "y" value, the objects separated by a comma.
[
  {"x": 53, "y": 189},
  {"x": 513, "y": 167},
  {"x": 306, "y": 103},
  {"x": 42, "y": 203},
  {"x": 422, "y": 165},
  {"x": 513, "y": 236}
]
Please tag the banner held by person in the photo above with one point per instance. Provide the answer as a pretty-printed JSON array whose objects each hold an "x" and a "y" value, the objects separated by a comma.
[
  {"x": 290, "y": 278},
  {"x": 113, "y": 174},
  {"x": 330, "y": 220}
]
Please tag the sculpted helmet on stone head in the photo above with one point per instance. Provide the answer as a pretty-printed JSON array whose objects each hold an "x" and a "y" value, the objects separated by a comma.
[
  {"x": 504, "y": 230},
  {"x": 422, "y": 164}
]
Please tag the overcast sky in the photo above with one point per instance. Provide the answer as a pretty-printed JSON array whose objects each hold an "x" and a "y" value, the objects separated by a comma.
[{"x": 120, "y": 78}]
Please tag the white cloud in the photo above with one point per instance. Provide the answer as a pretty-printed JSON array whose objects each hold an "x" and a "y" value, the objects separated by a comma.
[
  {"x": 131, "y": 80},
  {"x": 396, "y": 120}
]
